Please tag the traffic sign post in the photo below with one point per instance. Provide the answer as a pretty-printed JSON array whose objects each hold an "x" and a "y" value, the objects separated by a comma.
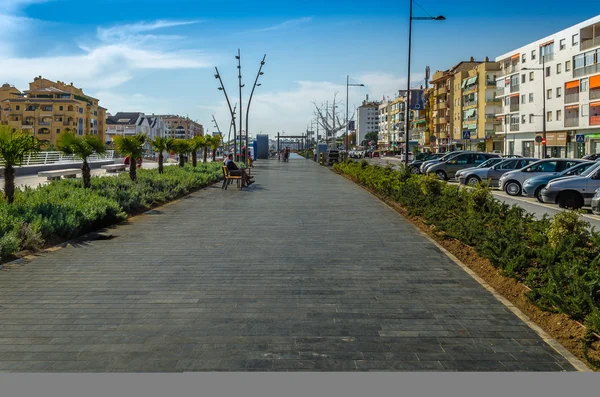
[
  {"x": 466, "y": 134},
  {"x": 580, "y": 138}
]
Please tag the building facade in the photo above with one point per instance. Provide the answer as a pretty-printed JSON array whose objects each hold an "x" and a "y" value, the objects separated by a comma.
[
  {"x": 50, "y": 108},
  {"x": 367, "y": 119},
  {"x": 181, "y": 127},
  {"x": 384, "y": 138},
  {"x": 126, "y": 123},
  {"x": 563, "y": 69}
]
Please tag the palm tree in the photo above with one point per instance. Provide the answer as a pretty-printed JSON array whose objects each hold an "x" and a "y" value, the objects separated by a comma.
[
  {"x": 196, "y": 143},
  {"x": 181, "y": 147},
  {"x": 14, "y": 146},
  {"x": 207, "y": 144},
  {"x": 133, "y": 147},
  {"x": 161, "y": 145},
  {"x": 82, "y": 147},
  {"x": 215, "y": 142}
]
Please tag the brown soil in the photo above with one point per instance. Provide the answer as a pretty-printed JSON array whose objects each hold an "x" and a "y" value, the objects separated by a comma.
[{"x": 559, "y": 326}]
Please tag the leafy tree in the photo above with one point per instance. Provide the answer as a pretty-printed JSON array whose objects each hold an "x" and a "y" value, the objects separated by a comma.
[
  {"x": 215, "y": 142},
  {"x": 196, "y": 143},
  {"x": 14, "y": 146},
  {"x": 82, "y": 147},
  {"x": 133, "y": 147},
  {"x": 161, "y": 144}
]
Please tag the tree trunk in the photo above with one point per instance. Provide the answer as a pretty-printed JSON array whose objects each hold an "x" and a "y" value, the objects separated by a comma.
[
  {"x": 194, "y": 158},
  {"x": 181, "y": 160},
  {"x": 9, "y": 183},
  {"x": 214, "y": 156},
  {"x": 86, "y": 175},
  {"x": 160, "y": 162},
  {"x": 132, "y": 168},
  {"x": 204, "y": 154}
]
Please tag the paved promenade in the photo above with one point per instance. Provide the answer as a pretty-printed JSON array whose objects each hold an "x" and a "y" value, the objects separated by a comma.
[{"x": 302, "y": 271}]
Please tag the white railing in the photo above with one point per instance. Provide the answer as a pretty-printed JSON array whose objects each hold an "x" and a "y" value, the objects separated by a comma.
[{"x": 45, "y": 158}]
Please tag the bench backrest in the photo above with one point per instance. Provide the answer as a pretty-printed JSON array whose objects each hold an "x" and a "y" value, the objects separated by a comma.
[{"x": 225, "y": 171}]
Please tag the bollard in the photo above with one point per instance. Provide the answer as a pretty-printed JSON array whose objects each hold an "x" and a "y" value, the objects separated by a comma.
[{"x": 322, "y": 158}]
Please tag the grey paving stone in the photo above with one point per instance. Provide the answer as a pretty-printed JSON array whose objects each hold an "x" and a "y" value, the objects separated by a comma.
[{"x": 303, "y": 271}]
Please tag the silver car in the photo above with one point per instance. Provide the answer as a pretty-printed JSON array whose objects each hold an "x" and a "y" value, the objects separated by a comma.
[
  {"x": 512, "y": 182},
  {"x": 429, "y": 163},
  {"x": 573, "y": 191},
  {"x": 487, "y": 164},
  {"x": 492, "y": 174},
  {"x": 449, "y": 168}
]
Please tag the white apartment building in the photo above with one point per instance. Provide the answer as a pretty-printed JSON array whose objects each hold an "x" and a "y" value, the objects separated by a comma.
[
  {"x": 384, "y": 124},
  {"x": 568, "y": 64},
  {"x": 367, "y": 120}
]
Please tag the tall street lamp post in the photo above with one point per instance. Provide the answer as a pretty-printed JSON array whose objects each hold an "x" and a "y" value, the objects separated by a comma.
[
  {"x": 407, "y": 119},
  {"x": 231, "y": 111},
  {"x": 347, "y": 120},
  {"x": 543, "y": 69},
  {"x": 239, "y": 58},
  {"x": 260, "y": 73}
]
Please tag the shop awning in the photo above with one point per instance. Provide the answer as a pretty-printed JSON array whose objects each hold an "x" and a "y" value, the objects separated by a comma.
[
  {"x": 594, "y": 104},
  {"x": 470, "y": 113},
  {"x": 464, "y": 83},
  {"x": 595, "y": 81},
  {"x": 572, "y": 84},
  {"x": 471, "y": 126},
  {"x": 516, "y": 56},
  {"x": 546, "y": 43},
  {"x": 572, "y": 107},
  {"x": 514, "y": 95}
]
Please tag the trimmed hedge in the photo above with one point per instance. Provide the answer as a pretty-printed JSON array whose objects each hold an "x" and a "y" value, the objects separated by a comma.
[
  {"x": 558, "y": 258},
  {"x": 64, "y": 209}
]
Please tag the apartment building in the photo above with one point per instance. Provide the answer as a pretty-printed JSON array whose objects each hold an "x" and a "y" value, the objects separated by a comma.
[
  {"x": 475, "y": 107},
  {"x": 443, "y": 104},
  {"x": 555, "y": 80},
  {"x": 127, "y": 123},
  {"x": 367, "y": 119},
  {"x": 397, "y": 123},
  {"x": 384, "y": 137},
  {"x": 50, "y": 108},
  {"x": 181, "y": 127}
]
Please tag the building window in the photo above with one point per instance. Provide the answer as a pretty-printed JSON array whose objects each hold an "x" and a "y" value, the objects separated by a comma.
[
  {"x": 549, "y": 116},
  {"x": 533, "y": 54},
  {"x": 558, "y": 68},
  {"x": 530, "y": 97},
  {"x": 547, "y": 71},
  {"x": 584, "y": 85},
  {"x": 558, "y": 115},
  {"x": 531, "y": 74},
  {"x": 523, "y": 58},
  {"x": 58, "y": 130},
  {"x": 523, "y": 97},
  {"x": 523, "y": 78},
  {"x": 18, "y": 107},
  {"x": 558, "y": 92},
  {"x": 584, "y": 110},
  {"x": 531, "y": 119},
  {"x": 563, "y": 45},
  {"x": 575, "y": 40},
  {"x": 523, "y": 119},
  {"x": 549, "y": 94},
  {"x": 568, "y": 66}
]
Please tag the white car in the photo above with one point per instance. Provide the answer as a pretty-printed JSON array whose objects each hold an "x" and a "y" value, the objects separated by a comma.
[{"x": 512, "y": 182}]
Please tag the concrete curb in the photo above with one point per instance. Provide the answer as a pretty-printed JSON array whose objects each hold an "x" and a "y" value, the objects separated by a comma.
[{"x": 570, "y": 357}]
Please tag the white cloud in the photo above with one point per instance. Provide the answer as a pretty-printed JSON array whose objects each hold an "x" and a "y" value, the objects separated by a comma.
[
  {"x": 284, "y": 25},
  {"x": 132, "y": 32}
]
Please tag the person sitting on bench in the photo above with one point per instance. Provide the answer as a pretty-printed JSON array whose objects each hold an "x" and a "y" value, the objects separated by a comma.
[{"x": 234, "y": 170}]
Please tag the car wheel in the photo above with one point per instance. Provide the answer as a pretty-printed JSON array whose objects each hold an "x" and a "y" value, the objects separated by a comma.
[
  {"x": 570, "y": 200},
  {"x": 442, "y": 175},
  {"x": 512, "y": 188},
  {"x": 473, "y": 180},
  {"x": 538, "y": 193}
]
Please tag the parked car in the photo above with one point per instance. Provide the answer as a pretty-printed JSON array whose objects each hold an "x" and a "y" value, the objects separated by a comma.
[
  {"x": 596, "y": 202},
  {"x": 512, "y": 182},
  {"x": 416, "y": 164},
  {"x": 492, "y": 174},
  {"x": 573, "y": 191},
  {"x": 592, "y": 157},
  {"x": 375, "y": 153},
  {"x": 511, "y": 156},
  {"x": 487, "y": 164},
  {"x": 450, "y": 167},
  {"x": 532, "y": 187},
  {"x": 445, "y": 157}
]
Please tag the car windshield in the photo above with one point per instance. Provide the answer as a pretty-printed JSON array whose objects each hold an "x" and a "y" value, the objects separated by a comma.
[
  {"x": 577, "y": 169},
  {"x": 591, "y": 170},
  {"x": 490, "y": 162}
]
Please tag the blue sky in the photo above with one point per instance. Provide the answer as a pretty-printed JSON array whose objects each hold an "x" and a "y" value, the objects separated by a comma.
[{"x": 159, "y": 56}]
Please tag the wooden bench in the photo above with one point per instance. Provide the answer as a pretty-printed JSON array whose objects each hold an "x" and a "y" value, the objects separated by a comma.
[
  {"x": 229, "y": 178},
  {"x": 56, "y": 174},
  {"x": 114, "y": 167}
]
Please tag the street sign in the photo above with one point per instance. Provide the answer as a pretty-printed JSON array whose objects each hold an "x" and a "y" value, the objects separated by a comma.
[
  {"x": 538, "y": 138},
  {"x": 579, "y": 138},
  {"x": 466, "y": 134},
  {"x": 543, "y": 141}
]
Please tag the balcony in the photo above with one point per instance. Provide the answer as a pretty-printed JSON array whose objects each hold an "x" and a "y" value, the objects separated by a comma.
[
  {"x": 470, "y": 89},
  {"x": 572, "y": 98},
  {"x": 441, "y": 91},
  {"x": 490, "y": 83},
  {"x": 589, "y": 43},
  {"x": 442, "y": 105},
  {"x": 594, "y": 120},
  {"x": 44, "y": 123},
  {"x": 499, "y": 128},
  {"x": 595, "y": 93},
  {"x": 584, "y": 71},
  {"x": 572, "y": 122},
  {"x": 514, "y": 107},
  {"x": 499, "y": 91},
  {"x": 514, "y": 127},
  {"x": 511, "y": 69},
  {"x": 470, "y": 105},
  {"x": 28, "y": 123},
  {"x": 470, "y": 120},
  {"x": 514, "y": 88}
]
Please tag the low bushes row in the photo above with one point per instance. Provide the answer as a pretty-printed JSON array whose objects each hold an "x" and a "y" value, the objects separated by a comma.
[
  {"x": 558, "y": 258},
  {"x": 64, "y": 209}
]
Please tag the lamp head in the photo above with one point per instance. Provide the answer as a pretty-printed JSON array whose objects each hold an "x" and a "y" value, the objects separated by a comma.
[
  {"x": 220, "y": 88},
  {"x": 439, "y": 18},
  {"x": 237, "y": 57},
  {"x": 216, "y": 76},
  {"x": 262, "y": 62},
  {"x": 258, "y": 85},
  {"x": 261, "y": 73}
]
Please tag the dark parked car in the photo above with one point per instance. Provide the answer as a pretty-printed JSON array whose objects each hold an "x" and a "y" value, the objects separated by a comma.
[
  {"x": 592, "y": 157},
  {"x": 416, "y": 164},
  {"x": 532, "y": 187}
]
